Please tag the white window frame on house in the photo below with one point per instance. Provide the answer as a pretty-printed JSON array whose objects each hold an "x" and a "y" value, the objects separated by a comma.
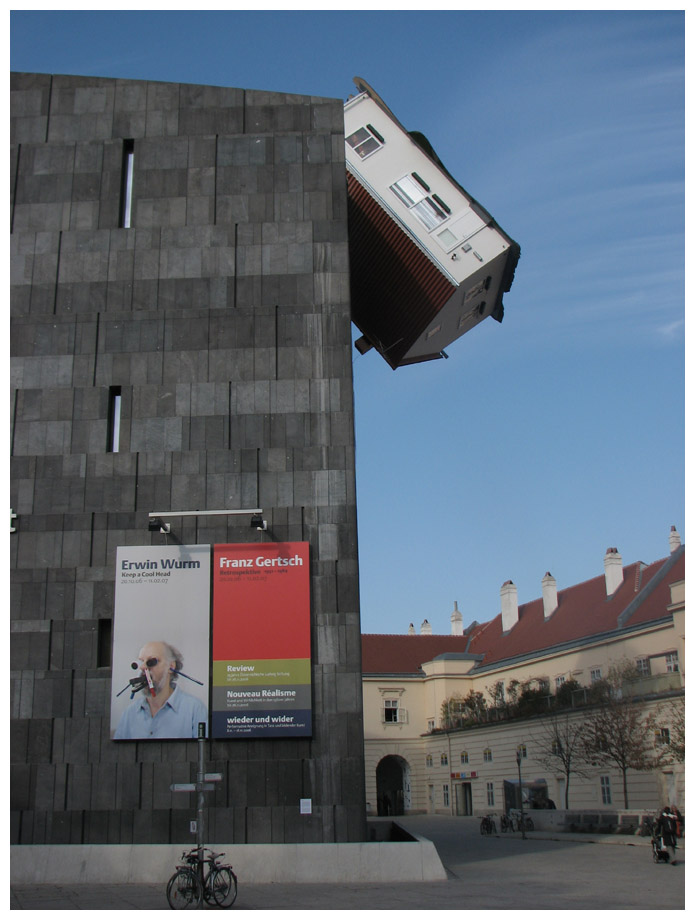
[
  {"x": 392, "y": 712},
  {"x": 444, "y": 760},
  {"x": 559, "y": 681},
  {"x": 464, "y": 757},
  {"x": 644, "y": 667},
  {"x": 606, "y": 796},
  {"x": 445, "y": 794},
  {"x": 487, "y": 755},
  {"x": 490, "y": 789},
  {"x": 430, "y": 210},
  {"x": 672, "y": 666},
  {"x": 428, "y": 761},
  {"x": 365, "y": 141},
  {"x": 595, "y": 675},
  {"x": 662, "y": 737}
]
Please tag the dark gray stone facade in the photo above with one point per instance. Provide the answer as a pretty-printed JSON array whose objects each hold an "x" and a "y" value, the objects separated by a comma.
[{"x": 223, "y": 316}]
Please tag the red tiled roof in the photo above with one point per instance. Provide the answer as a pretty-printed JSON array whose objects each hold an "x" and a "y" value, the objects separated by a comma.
[
  {"x": 583, "y": 611},
  {"x": 404, "y": 654}
]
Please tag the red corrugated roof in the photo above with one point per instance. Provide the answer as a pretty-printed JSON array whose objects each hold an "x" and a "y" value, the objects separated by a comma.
[{"x": 583, "y": 611}]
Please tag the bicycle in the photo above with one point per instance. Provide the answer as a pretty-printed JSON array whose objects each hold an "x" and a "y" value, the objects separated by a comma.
[
  {"x": 506, "y": 823},
  {"x": 527, "y": 823},
  {"x": 191, "y": 884},
  {"x": 487, "y": 825},
  {"x": 515, "y": 821},
  {"x": 647, "y": 827}
]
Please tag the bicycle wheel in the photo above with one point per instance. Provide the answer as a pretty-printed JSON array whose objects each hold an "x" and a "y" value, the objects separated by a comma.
[
  {"x": 529, "y": 824},
  {"x": 184, "y": 891},
  {"x": 224, "y": 886}
]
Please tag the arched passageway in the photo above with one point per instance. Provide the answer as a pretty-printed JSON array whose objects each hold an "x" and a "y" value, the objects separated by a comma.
[{"x": 392, "y": 785}]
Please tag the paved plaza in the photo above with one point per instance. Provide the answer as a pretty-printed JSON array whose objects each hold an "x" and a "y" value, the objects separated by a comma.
[{"x": 502, "y": 872}]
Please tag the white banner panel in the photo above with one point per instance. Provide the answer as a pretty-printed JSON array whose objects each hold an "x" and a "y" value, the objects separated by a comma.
[{"x": 161, "y": 642}]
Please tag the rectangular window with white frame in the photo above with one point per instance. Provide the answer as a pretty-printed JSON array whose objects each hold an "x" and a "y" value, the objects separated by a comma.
[
  {"x": 445, "y": 793},
  {"x": 491, "y": 794},
  {"x": 430, "y": 210},
  {"x": 595, "y": 675},
  {"x": 365, "y": 141},
  {"x": 662, "y": 737},
  {"x": 644, "y": 668},
  {"x": 672, "y": 662},
  {"x": 393, "y": 712},
  {"x": 606, "y": 798}
]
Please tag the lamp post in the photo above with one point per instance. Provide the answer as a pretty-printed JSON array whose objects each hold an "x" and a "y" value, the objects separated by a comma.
[{"x": 521, "y": 794}]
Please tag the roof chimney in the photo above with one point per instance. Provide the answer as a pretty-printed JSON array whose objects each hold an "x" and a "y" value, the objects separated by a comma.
[
  {"x": 411, "y": 630},
  {"x": 674, "y": 539},
  {"x": 426, "y": 629},
  {"x": 510, "y": 605},
  {"x": 613, "y": 567},
  {"x": 549, "y": 587},
  {"x": 456, "y": 621}
]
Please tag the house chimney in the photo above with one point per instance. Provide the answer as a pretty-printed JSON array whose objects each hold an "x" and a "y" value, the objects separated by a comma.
[
  {"x": 549, "y": 587},
  {"x": 426, "y": 629},
  {"x": 411, "y": 630},
  {"x": 674, "y": 539},
  {"x": 613, "y": 567},
  {"x": 510, "y": 605},
  {"x": 456, "y": 621}
]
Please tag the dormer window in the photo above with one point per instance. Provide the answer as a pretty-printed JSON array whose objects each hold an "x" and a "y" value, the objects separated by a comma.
[{"x": 365, "y": 141}]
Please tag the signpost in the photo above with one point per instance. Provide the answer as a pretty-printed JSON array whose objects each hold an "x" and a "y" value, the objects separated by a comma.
[{"x": 205, "y": 782}]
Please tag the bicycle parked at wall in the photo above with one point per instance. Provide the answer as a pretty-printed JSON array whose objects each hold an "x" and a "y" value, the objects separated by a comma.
[
  {"x": 199, "y": 878},
  {"x": 506, "y": 824},
  {"x": 517, "y": 823},
  {"x": 487, "y": 825}
]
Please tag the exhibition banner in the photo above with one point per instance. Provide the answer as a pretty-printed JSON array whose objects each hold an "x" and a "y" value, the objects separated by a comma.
[
  {"x": 261, "y": 641},
  {"x": 161, "y": 642}
]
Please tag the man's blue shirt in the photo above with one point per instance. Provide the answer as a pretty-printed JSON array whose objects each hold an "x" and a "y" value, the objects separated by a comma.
[{"x": 178, "y": 718}]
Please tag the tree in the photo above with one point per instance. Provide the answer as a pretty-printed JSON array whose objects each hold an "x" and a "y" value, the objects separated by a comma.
[
  {"x": 458, "y": 711},
  {"x": 618, "y": 731},
  {"x": 561, "y": 745},
  {"x": 673, "y": 720}
]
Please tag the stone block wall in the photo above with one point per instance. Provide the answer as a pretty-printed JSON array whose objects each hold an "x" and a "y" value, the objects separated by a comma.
[{"x": 222, "y": 315}]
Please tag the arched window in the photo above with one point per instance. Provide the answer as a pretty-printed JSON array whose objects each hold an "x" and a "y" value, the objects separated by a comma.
[
  {"x": 464, "y": 756},
  {"x": 428, "y": 760},
  {"x": 444, "y": 760},
  {"x": 487, "y": 755}
]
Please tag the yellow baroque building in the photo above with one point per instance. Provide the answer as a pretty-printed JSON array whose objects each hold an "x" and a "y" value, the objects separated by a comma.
[{"x": 459, "y": 723}]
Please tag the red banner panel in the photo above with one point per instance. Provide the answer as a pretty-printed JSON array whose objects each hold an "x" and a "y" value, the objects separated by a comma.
[{"x": 261, "y": 640}]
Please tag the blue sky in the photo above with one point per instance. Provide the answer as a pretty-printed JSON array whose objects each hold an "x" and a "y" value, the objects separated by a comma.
[{"x": 560, "y": 432}]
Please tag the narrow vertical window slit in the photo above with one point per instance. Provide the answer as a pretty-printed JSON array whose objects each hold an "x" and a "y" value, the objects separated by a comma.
[
  {"x": 114, "y": 420},
  {"x": 127, "y": 183}
]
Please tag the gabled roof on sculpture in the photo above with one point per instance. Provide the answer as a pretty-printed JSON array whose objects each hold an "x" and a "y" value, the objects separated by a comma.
[{"x": 583, "y": 613}]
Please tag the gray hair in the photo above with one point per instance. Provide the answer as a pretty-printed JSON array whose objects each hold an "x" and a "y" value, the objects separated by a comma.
[{"x": 176, "y": 658}]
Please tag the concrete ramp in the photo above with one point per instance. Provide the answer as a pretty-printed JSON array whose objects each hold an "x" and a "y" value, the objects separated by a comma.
[{"x": 410, "y": 861}]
